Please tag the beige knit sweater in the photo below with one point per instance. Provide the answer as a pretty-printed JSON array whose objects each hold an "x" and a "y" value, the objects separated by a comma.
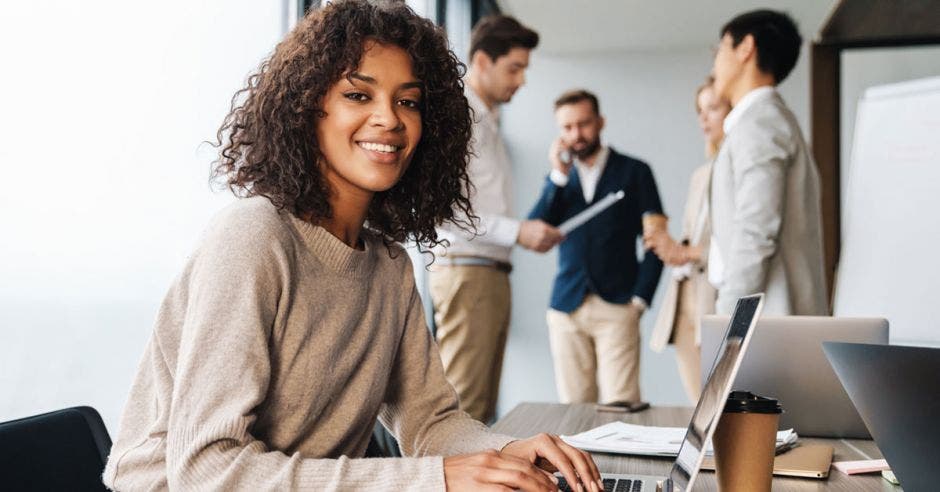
[{"x": 272, "y": 356}]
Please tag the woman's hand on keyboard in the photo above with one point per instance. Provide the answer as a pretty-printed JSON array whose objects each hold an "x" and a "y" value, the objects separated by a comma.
[
  {"x": 553, "y": 454},
  {"x": 491, "y": 470}
]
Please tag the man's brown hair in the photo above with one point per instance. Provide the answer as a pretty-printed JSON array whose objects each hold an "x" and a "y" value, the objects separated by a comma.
[
  {"x": 575, "y": 96},
  {"x": 495, "y": 35}
]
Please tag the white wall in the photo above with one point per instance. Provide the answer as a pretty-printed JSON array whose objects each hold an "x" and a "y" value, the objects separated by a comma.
[
  {"x": 648, "y": 102},
  {"x": 105, "y": 184}
]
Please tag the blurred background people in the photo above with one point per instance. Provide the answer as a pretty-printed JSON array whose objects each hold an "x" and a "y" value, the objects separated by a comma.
[
  {"x": 469, "y": 281},
  {"x": 688, "y": 295},
  {"x": 765, "y": 191},
  {"x": 601, "y": 290}
]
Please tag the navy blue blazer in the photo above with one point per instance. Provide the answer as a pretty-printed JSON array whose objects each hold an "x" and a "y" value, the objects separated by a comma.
[{"x": 600, "y": 256}]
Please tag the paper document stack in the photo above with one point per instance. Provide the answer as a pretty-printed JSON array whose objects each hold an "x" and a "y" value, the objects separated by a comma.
[{"x": 624, "y": 438}]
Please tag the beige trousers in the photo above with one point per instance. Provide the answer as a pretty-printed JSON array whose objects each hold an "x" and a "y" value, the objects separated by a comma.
[
  {"x": 471, "y": 310},
  {"x": 596, "y": 351},
  {"x": 688, "y": 354}
]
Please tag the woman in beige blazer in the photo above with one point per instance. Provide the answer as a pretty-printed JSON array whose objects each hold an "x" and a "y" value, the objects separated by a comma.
[{"x": 689, "y": 296}]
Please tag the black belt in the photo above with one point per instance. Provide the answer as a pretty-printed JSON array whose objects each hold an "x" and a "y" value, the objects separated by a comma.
[{"x": 474, "y": 261}]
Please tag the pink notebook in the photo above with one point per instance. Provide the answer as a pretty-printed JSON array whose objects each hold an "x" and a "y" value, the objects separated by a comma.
[{"x": 861, "y": 466}]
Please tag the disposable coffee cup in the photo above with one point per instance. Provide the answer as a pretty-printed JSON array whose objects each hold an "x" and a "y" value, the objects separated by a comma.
[
  {"x": 745, "y": 443},
  {"x": 653, "y": 222}
]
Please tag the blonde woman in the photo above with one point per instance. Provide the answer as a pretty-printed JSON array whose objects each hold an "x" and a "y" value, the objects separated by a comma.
[{"x": 689, "y": 296}]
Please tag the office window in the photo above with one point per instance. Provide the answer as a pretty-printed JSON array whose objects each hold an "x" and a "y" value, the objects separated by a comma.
[{"x": 106, "y": 188}]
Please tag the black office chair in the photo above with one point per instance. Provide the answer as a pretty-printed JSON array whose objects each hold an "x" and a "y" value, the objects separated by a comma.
[
  {"x": 61, "y": 450},
  {"x": 382, "y": 444}
]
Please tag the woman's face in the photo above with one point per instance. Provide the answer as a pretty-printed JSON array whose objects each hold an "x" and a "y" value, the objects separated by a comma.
[
  {"x": 711, "y": 114},
  {"x": 372, "y": 123}
]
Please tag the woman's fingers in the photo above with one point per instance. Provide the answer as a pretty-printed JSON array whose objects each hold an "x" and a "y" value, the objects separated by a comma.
[
  {"x": 524, "y": 470},
  {"x": 574, "y": 465},
  {"x": 583, "y": 463},
  {"x": 491, "y": 469},
  {"x": 586, "y": 457}
]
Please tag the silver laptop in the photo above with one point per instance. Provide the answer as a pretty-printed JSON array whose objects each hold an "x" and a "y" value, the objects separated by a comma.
[
  {"x": 702, "y": 425},
  {"x": 786, "y": 362}
]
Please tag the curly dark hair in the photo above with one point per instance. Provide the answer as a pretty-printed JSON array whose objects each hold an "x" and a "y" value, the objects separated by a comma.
[{"x": 268, "y": 141}]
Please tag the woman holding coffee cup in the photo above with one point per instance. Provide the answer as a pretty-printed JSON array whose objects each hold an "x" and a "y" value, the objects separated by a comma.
[{"x": 689, "y": 296}]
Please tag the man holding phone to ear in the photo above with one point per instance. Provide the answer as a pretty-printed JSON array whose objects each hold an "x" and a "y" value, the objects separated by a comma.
[{"x": 600, "y": 290}]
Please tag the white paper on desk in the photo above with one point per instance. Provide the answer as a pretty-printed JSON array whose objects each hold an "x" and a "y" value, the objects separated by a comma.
[
  {"x": 590, "y": 212},
  {"x": 624, "y": 438}
]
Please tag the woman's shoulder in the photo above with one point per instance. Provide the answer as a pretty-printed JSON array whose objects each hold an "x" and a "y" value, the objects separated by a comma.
[
  {"x": 256, "y": 210},
  {"x": 255, "y": 213},
  {"x": 247, "y": 223}
]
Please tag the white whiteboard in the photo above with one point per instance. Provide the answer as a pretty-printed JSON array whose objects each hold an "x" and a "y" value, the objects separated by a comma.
[{"x": 890, "y": 260}]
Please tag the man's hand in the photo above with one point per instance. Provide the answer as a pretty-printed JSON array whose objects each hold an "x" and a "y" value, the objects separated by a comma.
[
  {"x": 549, "y": 452},
  {"x": 491, "y": 470},
  {"x": 538, "y": 235},
  {"x": 555, "y": 155}
]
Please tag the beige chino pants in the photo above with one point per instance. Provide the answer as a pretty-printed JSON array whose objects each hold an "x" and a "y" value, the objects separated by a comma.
[
  {"x": 596, "y": 351},
  {"x": 471, "y": 310},
  {"x": 688, "y": 353}
]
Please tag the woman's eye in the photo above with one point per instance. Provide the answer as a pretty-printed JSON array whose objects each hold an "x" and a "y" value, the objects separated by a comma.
[
  {"x": 410, "y": 103},
  {"x": 356, "y": 96}
]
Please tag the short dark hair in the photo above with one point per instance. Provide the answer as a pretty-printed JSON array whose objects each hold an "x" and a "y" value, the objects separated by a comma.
[
  {"x": 775, "y": 35},
  {"x": 495, "y": 35},
  {"x": 575, "y": 96}
]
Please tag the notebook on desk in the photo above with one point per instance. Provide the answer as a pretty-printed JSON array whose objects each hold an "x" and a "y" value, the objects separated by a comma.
[{"x": 808, "y": 461}]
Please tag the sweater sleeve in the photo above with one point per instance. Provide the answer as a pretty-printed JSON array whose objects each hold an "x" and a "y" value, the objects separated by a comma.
[
  {"x": 222, "y": 375},
  {"x": 421, "y": 407}
]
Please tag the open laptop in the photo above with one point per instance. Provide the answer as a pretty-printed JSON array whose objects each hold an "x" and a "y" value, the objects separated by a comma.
[
  {"x": 896, "y": 390},
  {"x": 786, "y": 361},
  {"x": 707, "y": 412}
]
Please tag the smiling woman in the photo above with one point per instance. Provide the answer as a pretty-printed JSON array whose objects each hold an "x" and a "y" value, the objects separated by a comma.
[
  {"x": 370, "y": 126},
  {"x": 296, "y": 324},
  {"x": 271, "y": 144}
]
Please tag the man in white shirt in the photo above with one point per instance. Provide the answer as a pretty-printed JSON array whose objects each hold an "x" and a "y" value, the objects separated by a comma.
[
  {"x": 764, "y": 198},
  {"x": 469, "y": 281}
]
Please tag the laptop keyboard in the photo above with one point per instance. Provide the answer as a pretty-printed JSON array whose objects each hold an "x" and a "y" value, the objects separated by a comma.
[{"x": 610, "y": 485}]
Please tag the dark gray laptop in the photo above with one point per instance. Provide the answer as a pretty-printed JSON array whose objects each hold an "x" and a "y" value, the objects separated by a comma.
[
  {"x": 737, "y": 336},
  {"x": 897, "y": 391},
  {"x": 786, "y": 361}
]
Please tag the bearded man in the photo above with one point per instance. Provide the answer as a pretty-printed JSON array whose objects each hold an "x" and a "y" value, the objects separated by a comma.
[{"x": 601, "y": 289}]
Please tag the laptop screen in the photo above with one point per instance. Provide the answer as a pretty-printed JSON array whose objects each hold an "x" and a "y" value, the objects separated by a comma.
[{"x": 715, "y": 392}]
